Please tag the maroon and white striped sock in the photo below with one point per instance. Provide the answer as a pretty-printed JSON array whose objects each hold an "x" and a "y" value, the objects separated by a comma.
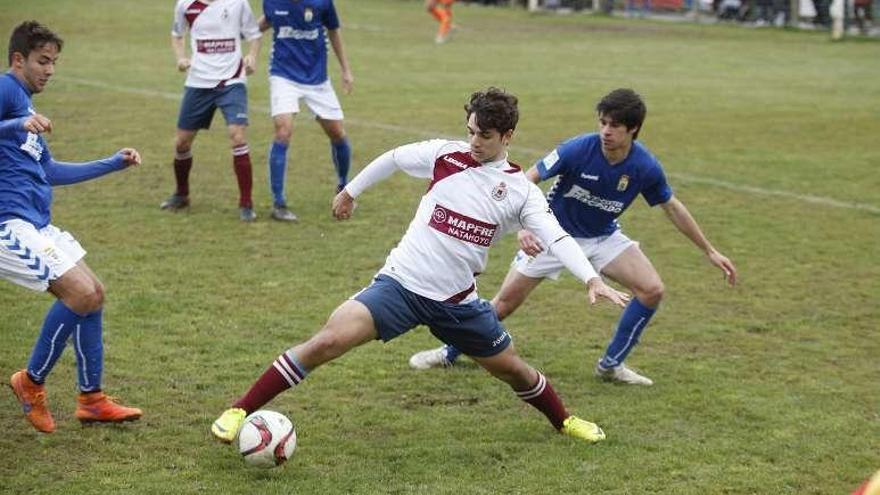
[
  {"x": 241, "y": 163},
  {"x": 543, "y": 398},
  {"x": 183, "y": 162},
  {"x": 284, "y": 373}
]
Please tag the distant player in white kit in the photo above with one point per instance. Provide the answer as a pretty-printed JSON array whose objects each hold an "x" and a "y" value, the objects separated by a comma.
[
  {"x": 474, "y": 196},
  {"x": 216, "y": 79},
  {"x": 298, "y": 71},
  {"x": 598, "y": 175}
]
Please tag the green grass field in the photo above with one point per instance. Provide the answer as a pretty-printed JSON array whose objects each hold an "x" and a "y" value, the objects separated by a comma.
[{"x": 769, "y": 137}]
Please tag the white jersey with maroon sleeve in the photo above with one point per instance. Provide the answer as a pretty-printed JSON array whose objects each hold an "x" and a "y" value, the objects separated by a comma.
[
  {"x": 467, "y": 207},
  {"x": 216, "y": 29}
]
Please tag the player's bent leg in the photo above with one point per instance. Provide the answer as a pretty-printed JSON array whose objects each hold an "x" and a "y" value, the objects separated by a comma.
[
  {"x": 340, "y": 150},
  {"x": 532, "y": 387},
  {"x": 79, "y": 289},
  {"x": 632, "y": 269},
  {"x": 350, "y": 325},
  {"x": 513, "y": 292}
]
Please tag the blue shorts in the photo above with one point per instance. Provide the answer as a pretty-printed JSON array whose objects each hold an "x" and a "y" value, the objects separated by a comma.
[
  {"x": 473, "y": 328},
  {"x": 198, "y": 105}
]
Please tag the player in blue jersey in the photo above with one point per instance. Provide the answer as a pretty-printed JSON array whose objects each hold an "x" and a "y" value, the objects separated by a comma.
[
  {"x": 37, "y": 255},
  {"x": 598, "y": 176},
  {"x": 298, "y": 71}
]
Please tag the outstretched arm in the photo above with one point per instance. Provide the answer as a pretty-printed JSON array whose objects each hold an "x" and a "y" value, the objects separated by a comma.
[
  {"x": 61, "y": 173},
  {"x": 569, "y": 253},
  {"x": 339, "y": 50},
  {"x": 378, "y": 170},
  {"x": 680, "y": 216}
]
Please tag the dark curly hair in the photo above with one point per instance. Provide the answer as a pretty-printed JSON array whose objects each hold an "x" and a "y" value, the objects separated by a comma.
[{"x": 494, "y": 108}]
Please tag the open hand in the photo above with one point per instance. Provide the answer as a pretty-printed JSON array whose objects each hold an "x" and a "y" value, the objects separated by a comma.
[
  {"x": 597, "y": 288},
  {"x": 529, "y": 242}
]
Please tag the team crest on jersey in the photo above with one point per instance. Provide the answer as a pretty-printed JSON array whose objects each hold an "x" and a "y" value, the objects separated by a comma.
[
  {"x": 500, "y": 192},
  {"x": 308, "y": 15},
  {"x": 623, "y": 183},
  {"x": 225, "y": 13}
]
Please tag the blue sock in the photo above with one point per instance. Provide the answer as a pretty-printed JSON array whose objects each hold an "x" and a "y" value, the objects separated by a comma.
[
  {"x": 452, "y": 353},
  {"x": 277, "y": 171},
  {"x": 59, "y": 323},
  {"x": 89, "y": 351},
  {"x": 341, "y": 153},
  {"x": 632, "y": 322}
]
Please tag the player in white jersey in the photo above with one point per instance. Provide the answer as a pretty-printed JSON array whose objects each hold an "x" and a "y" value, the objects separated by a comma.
[
  {"x": 598, "y": 176},
  {"x": 474, "y": 197},
  {"x": 216, "y": 76}
]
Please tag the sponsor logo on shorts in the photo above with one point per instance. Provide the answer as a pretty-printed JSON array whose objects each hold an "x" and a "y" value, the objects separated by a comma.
[
  {"x": 462, "y": 227},
  {"x": 499, "y": 340},
  {"x": 216, "y": 46}
]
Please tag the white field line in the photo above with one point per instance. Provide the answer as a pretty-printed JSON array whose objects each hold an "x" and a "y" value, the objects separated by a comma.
[{"x": 733, "y": 186}]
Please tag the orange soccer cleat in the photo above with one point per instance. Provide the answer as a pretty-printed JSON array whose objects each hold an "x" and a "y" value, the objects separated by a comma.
[
  {"x": 32, "y": 397},
  {"x": 97, "y": 407}
]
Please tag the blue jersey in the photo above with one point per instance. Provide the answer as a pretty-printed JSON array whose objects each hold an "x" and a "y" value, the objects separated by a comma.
[
  {"x": 590, "y": 193},
  {"x": 299, "y": 44},
  {"x": 25, "y": 191}
]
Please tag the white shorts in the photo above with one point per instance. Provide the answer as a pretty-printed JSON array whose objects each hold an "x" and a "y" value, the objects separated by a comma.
[
  {"x": 32, "y": 258},
  {"x": 599, "y": 250},
  {"x": 285, "y": 94}
]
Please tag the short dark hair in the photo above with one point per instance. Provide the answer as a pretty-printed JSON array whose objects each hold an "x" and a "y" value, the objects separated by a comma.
[
  {"x": 494, "y": 109},
  {"x": 30, "y": 35},
  {"x": 624, "y": 106}
]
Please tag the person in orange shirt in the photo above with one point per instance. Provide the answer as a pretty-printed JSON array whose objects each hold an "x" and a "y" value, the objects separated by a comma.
[{"x": 442, "y": 11}]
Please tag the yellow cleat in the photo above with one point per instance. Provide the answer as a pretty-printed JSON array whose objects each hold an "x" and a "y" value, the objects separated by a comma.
[
  {"x": 226, "y": 427},
  {"x": 574, "y": 426}
]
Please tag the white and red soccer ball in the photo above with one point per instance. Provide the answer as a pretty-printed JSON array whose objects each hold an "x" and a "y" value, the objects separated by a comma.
[{"x": 266, "y": 439}]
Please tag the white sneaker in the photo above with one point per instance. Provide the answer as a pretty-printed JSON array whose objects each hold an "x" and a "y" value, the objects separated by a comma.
[
  {"x": 432, "y": 358},
  {"x": 621, "y": 374}
]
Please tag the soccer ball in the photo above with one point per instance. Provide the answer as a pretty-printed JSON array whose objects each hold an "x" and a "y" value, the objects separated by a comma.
[{"x": 266, "y": 439}]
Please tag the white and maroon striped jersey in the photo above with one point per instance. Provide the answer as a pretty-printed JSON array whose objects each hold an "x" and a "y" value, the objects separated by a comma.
[
  {"x": 216, "y": 29},
  {"x": 468, "y": 206}
]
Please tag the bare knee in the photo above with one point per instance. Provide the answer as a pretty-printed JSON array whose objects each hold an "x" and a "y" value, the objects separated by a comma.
[
  {"x": 503, "y": 307},
  {"x": 87, "y": 300},
  {"x": 283, "y": 133},
  {"x": 650, "y": 295}
]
